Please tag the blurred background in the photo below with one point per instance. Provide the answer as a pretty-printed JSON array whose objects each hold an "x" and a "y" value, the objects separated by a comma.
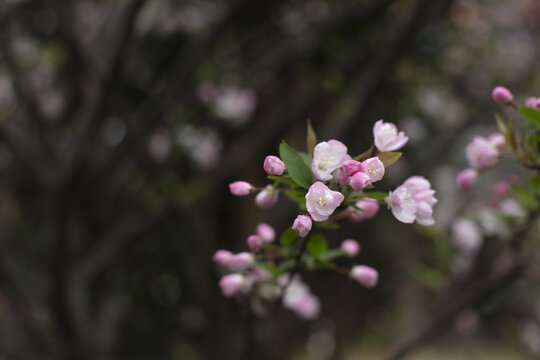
[{"x": 122, "y": 122}]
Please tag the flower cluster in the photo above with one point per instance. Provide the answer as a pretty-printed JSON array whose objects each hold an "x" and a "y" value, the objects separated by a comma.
[{"x": 329, "y": 185}]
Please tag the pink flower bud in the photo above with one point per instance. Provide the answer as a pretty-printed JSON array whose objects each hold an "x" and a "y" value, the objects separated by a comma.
[
  {"x": 240, "y": 188},
  {"x": 513, "y": 179},
  {"x": 374, "y": 168},
  {"x": 467, "y": 178},
  {"x": 497, "y": 140},
  {"x": 267, "y": 197},
  {"x": 365, "y": 275},
  {"x": 255, "y": 242},
  {"x": 273, "y": 165},
  {"x": 368, "y": 208},
  {"x": 342, "y": 177},
  {"x": 502, "y": 95},
  {"x": 350, "y": 247},
  {"x": 241, "y": 261},
  {"x": 501, "y": 188},
  {"x": 222, "y": 257},
  {"x": 266, "y": 232},
  {"x": 231, "y": 285},
  {"x": 308, "y": 307},
  {"x": 359, "y": 181},
  {"x": 351, "y": 167},
  {"x": 533, "y": 103},
  {"x": 302, "y": 225}
]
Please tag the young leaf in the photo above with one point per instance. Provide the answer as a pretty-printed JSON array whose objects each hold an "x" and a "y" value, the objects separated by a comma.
[
  {"x": 296, "y": 167},
  {"x": 376, "y": 195},
  {"x": 388, "y": 158},
  {"x": 308, "y": 159},
  {"x": 331, "y": 254},
  {"x": 282, "y": 180},
  {"x": 289, "y": 238},
  {"x": 311, "y": 138},
  {"x": 317, "y": 245},
  {"x": 532, "y": 115},
  {"x": 297, "y": 196}
]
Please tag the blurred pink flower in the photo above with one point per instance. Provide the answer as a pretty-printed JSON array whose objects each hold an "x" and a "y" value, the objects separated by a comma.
[
  {"x": 368, "y": 209},
  {"x": 365, "y": 275},
  {"x": 467, "y": 178},
  {"x": 266, "y": 232},
  {"x": 240, "y": 188},
  {"x": 267, "y": 197},
  {"x": 387, "y": 137},
  {"x": 502, "y": 95},
  {"x": 481, "y": 153},
  {"x": 351, "y": 247},
  {"x": 231, "y": 285}
]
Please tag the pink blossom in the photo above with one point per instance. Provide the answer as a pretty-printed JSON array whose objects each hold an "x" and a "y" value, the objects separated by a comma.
[
  {"x": 351, "y": 247},
  {"x": 412, "y": 201},
  {"x": 302, "y": 225},
  {"x": 387, "y": 137},
  {"x": 231, "y": 285},
  {"x": 533, "y": 103},
  {"x": 368, "y": 208},
  {"x": 327, "y": 157},
  {"x": 222, "y": 257},
  {"x": 255, "y": 242},
  {"x": 365, "y": 275},
  {"x": 235, "y": 105},
  {"x": 502, "y": 95},
  {"x": 241, "y": 261},
  {"x": 466, "y": 236},
  {"x": 497, "y": 140},
  {"x": 240, "y": 188},
  {"x": 374, "y": 168},
  {"x": 359, "y": 181},
  {"x": 467, "y": 178},
  {"x": 321, "y": 201},
  {"x": 501, "y": 188},
  {"x": 267, "y": 197},
  {"x": 308, "y": 307},
  {"x": 273, "y": 165},
  {"x": 266, "y": 232},
  {"x": 481, "y": 153}
]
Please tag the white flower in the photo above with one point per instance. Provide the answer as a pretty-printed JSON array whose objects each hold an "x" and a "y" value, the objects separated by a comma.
[
  {"x": 327, "y": 157},
  {"x": 387, "y": 137}
]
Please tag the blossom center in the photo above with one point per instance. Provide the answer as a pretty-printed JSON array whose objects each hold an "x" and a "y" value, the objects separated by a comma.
[{"x": 321, "y": 201}]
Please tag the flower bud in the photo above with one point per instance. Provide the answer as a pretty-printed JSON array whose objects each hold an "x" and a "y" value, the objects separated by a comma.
[
  {"x": 374, "y": 168},
  {"x": 351, "y": 167},
  {"x": 387, "y": 137},
  {"x": 240, "y": 188},
  {"x": 308, "y": 307},
  {"x": 342, "y": 177},
  {"x": 533, "y": 103},
  {"x": 241, "y": 261},
  {"x": 266, "y": 198},
  {"x": 266, "y": 232},
  {"x": 502, "y": 95},
  {"x": 501, "y": 188},
  {"x": 273, "y": 165},
  {"x": 231, "y": 284},
  {"x": 366, "y": 208},
  {"x": 222, "y": 257},
  {"x": 359, "y": 181},
  {"x": 467, "y": 178},
  {"x": 497, "y": 140},
  {"x": 255, "y": 242},
  {"x": 302, "y": 225},
  {"x": 365, "y": 275},
  {"x": 350, "y": 247}
]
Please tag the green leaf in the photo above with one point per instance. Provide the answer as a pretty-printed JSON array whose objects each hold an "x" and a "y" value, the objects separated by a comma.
[
  {"x": 282, "y": 180},
  {"x": 311, "y": 140},
  {"x": 376, "y": 195},
  {"x": 500, "y": 124},
  {"x": 388, "y": 158},
  {"x": 296, "y": 167},
  {"x": 532, "y": 115},
  {"x": 308, "y": 159},
  {"x": 524, "y": 196},
  {"x": 297, "y": 196},
  {"x": 286, "y": 265},
  {"x": 332, "y": 254},
  {"x": 271, "y": 269},
  {"x": 317, "y": 245},
  {"x": 535, "y": 184},
  {"x": 289, "y": 238}
]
